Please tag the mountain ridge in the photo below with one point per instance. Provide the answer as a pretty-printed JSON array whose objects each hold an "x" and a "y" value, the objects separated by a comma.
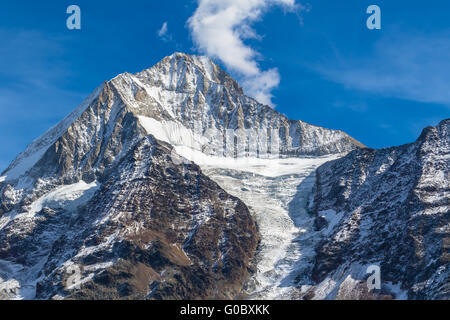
[
  {"x": 116, "y": 192},
  {"x": 388, "y": 207},
  {"x": 162, "y": 76}
]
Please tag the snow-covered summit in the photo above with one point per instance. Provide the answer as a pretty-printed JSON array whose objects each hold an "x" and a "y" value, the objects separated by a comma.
[
  {"x": 186, "y": 95},
  {"x": 182, "y": 72}
]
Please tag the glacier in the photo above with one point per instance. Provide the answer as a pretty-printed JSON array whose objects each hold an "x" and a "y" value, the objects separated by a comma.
[{"x": 278, "y": 192}]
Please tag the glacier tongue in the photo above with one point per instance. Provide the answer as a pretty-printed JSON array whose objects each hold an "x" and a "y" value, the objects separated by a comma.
[{"x": 277, "y": 193}]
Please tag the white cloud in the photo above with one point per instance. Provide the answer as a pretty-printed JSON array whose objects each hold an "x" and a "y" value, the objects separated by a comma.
[
  {"x": 163, "y": 30},
  {"x": 219, "y": 28},
  {"x": 163, "y": 33},
  {"x": 414, "y": 67},
  {"x": 261, "y": 84}
]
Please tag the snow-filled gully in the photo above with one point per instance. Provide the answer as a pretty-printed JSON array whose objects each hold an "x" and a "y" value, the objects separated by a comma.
[{"x": 277, "y": 193}]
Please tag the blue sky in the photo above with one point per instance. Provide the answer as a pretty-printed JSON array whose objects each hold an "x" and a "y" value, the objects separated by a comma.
[{"x": 315, "y": 60}]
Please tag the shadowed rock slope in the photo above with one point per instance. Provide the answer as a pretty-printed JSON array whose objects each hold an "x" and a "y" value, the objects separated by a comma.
[{"x": 391, "y": 208}]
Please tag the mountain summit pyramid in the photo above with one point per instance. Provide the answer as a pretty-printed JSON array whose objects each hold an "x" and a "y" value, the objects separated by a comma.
[{"x": 183, "y": 100}]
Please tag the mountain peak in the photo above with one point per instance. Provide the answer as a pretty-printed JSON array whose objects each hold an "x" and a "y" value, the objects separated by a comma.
[
  {"x": 202, "y": 63},
  {"x": 106, "y": 191},
  {"x": 440, "y": 130},
  {"x": 183, "y": 96},
  {"x": 179, "y": 70}
]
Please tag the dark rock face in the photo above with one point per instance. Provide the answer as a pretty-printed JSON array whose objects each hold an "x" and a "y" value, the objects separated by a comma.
[
  {"x": 389, "y": 207},
  {"x": 154, "y": 230}
]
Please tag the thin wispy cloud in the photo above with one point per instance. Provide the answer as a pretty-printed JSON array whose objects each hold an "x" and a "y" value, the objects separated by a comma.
[
  {"x": 413, "y": 67},
  {"x": 163, "y": 32},
  {"x": 219, "y": 29}
]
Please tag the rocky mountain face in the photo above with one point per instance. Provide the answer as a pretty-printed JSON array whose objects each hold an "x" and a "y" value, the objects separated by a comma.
[
  {"x": 101, "y": 206},
  {"x": 99, "y": 197},
  {"x": 152, "y": 229},
  {"x": 389, "y": 208},
  {"x": 200, "y": 106},
  {"x": 183, "y": 100},
  {"x": 108, "y": 205}
]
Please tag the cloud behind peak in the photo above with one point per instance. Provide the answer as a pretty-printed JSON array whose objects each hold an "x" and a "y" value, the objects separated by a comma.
[{"x": 219, "y": 29}]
